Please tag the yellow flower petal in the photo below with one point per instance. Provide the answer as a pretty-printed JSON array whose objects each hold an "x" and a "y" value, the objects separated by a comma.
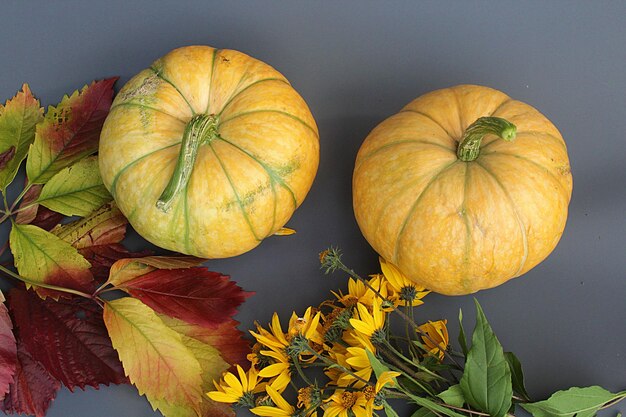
[
  {"x": 267, "y": 411},
  {"x": 273, "y": 370},
  {"x": 233, "y": 382},
  {"x": 222, "y": 397},
  {"x": 278, "y": 399}
]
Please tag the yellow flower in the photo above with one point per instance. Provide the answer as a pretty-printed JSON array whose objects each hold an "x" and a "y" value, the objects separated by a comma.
[
  {"x": 370, "y": 325},
  {"x": 278, "y": 372},
  {"x": 306, "y": 326},
  {"x": 274, "y": 339},
  {"x": 341, "y": 403},
  {"x": 309, "y": 399},
  {"x": 281, "y": 407},
  {"x": 435, "y": 337},
  {"x": 370, "y": 392},
  {"x": 358, "y": 292},
  {"x": 405, "y": 292},
  {"x": 236, "y": 390}
]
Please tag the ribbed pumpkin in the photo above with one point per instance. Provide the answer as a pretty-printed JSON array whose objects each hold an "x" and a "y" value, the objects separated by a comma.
[
  {"x": 208, "y": 151},
  {"x": 440, "y": 194}
]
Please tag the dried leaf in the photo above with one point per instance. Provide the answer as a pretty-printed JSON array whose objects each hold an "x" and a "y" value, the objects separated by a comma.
[
  {"x": 126, "y": 269},
  {"x": 18, "y": 118},
  {"x": 69, "y": 131},
  {"x": 102, "y": 227},
  {"x": 102, "y": 257},
  {"x": 76, "y": 190},
  {"x": 154, "y": 356},
  {"x": 42, "y": 257},
  {"x": 32, "y": 389},
  {"x": 8, "y": 349},
  {"x": 68, "y": 337},
  {"x": 195, "y": 295}
]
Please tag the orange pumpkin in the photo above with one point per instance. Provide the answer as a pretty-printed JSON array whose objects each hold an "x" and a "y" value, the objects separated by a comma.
[
  {"x": 208, "y": 151},
  {"x": 440, "y": 194}
]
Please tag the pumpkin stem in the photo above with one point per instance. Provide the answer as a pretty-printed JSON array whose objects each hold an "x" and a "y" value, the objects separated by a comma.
[
  {"x": 469, "y": 146},
  {"x": 201, "y": 128}
]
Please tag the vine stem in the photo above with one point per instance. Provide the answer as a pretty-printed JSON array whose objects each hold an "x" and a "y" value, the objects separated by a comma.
[
  {"x": 44, "y": 285},
  {"x": 20, "y": 196}
]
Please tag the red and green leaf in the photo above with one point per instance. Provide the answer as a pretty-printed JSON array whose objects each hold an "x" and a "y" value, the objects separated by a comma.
[
  {"x": 29, "y": 212},
  {"x": 69, "y": 131},
  {"x": 45, "y": 259},
  {"x": 18, "y": 118},
  {"x": 195, "y": 295},
  {"x": 154, "y": 356},
  {"x": 32, "y": 389},
  {"x": 68, "y": 337},
  {"x": 8, "y": 349}
]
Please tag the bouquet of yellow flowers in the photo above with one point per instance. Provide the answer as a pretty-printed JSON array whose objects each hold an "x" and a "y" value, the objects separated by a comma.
[{"x": 351, "y": 339}]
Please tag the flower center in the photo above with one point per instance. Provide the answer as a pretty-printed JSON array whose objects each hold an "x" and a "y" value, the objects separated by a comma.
[{"x": 347, "y": 400}]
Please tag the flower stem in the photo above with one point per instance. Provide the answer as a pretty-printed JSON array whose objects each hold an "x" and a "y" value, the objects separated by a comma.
[
  {"x": 296, "y": 363},
  {"x": 336, "y": 365}
]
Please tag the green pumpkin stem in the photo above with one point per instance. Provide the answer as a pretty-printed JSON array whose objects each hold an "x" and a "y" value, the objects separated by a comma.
[
  {"x": 201, "y": 128},
  {"x": 469, "y": 146}
]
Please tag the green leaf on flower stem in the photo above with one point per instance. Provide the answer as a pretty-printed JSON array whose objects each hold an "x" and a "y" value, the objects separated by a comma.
[
  {"x": 377, "y": 365},
  {"x": 389, "y": 411},
  {"x": 432, "y": 405},
  {"x": 517, "y": 376},
  {"x": 453, "y": 396},
  {"x": 581, "y": 402},
  {"x": 486, "y": 381},
  {"x": 423, "y": 412},
  {"x": 18, "y": 118},
  {"x": 76, "y": 190},
  {"x": 462, "y": 338}
]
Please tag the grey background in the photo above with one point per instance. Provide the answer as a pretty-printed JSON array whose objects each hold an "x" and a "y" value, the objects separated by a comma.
[{"x": 356, "y": 63}]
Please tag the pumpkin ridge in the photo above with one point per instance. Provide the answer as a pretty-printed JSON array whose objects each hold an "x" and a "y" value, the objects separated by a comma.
[
  {"x": 499, "y": 107},
  {"x": 236, "y": 93},
  {"x": 400, "y": 142},
  {"x": 517, "y": 216},
  {"x": 155, "y": 177},
  {"x": 270, "y": 172},
  {"x": 245, "y": 113},
  {"x": 533, "y": 133},
  {"x": 415, "y": 204},
  {"x": 143, "y": 106},
  {"x": 128, "y": 165},
  {"x": 213, "y": 60},
  {"x": 468, "y": 229},
  {"x": 459, "y": 110},
  {"x": 186, "y": 210},
  {"x": 431, "y": 118},
  {"x": 232, "y": 186},
  {"x": 537, "y": 164},
  {"x": 158, "y": 74}
]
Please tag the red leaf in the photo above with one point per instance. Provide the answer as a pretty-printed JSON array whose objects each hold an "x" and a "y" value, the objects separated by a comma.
[
  {"x": 104, "y": 226},
  {"x": 6, "y": 156},
  {"x": 70, "y": 131},
  {"x": 68, "y": 337},
  {"x": 8, "y": 349},
  {"x": 32, "y": 389},
  {"x": 102, "y": 257},
  {"x": 37, "y": 215},
  {"x": 194, "y": 295}
]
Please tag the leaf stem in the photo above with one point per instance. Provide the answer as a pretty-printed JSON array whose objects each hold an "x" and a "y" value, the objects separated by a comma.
[
  {"x": 20, "y": 196},
  {"x": 44, "y": 285}
]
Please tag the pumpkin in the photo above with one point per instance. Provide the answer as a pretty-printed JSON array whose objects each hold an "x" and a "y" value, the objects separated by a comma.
[
  {"x": 208, "y": 151},
  {"x": 442, "y": 191}
]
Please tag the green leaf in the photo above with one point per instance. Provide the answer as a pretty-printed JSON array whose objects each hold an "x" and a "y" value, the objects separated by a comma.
[
  {"x": 76, "y": 190},
  {"x": 42, "y": 257},
  {"x": 389, "y": 410},
  {"x": 423, "y": 412},
  {"x": 517, "y": 376},
  {"x": 432, "y": 406},
  {"x": 462, "y": 337},
  {"x": 377, "y": 365},
  {"x": 486, "y": 381},
  {"x": 582, "y": 402},
  {"x": 453, "y": 396},
  {"x": 18, "y": 118}
]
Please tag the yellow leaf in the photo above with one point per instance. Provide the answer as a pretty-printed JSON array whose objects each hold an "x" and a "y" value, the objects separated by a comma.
[
  {"x": 126, "y": 269},
  {"x": 284, "y": 231},
  {"x": 154, "y": 356}
]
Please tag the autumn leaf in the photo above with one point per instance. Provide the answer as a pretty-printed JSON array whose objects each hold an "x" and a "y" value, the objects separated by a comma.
[
  {"x": 42, "y": 257},
  {"x": 18, "y": 118},
  {"x": 8, "y": 349},
  {"x": 69, "y": 131},
  {"x": 126, "y": 269},
  {"x": 30, "y": 212},
  {"x": 68, "y": 337},
  {"x": 76, "y": 190},
  {"x": 154, "y": 356},
  {"x": 32, "y": 389},
  {"x": 195, "y": 295}
]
